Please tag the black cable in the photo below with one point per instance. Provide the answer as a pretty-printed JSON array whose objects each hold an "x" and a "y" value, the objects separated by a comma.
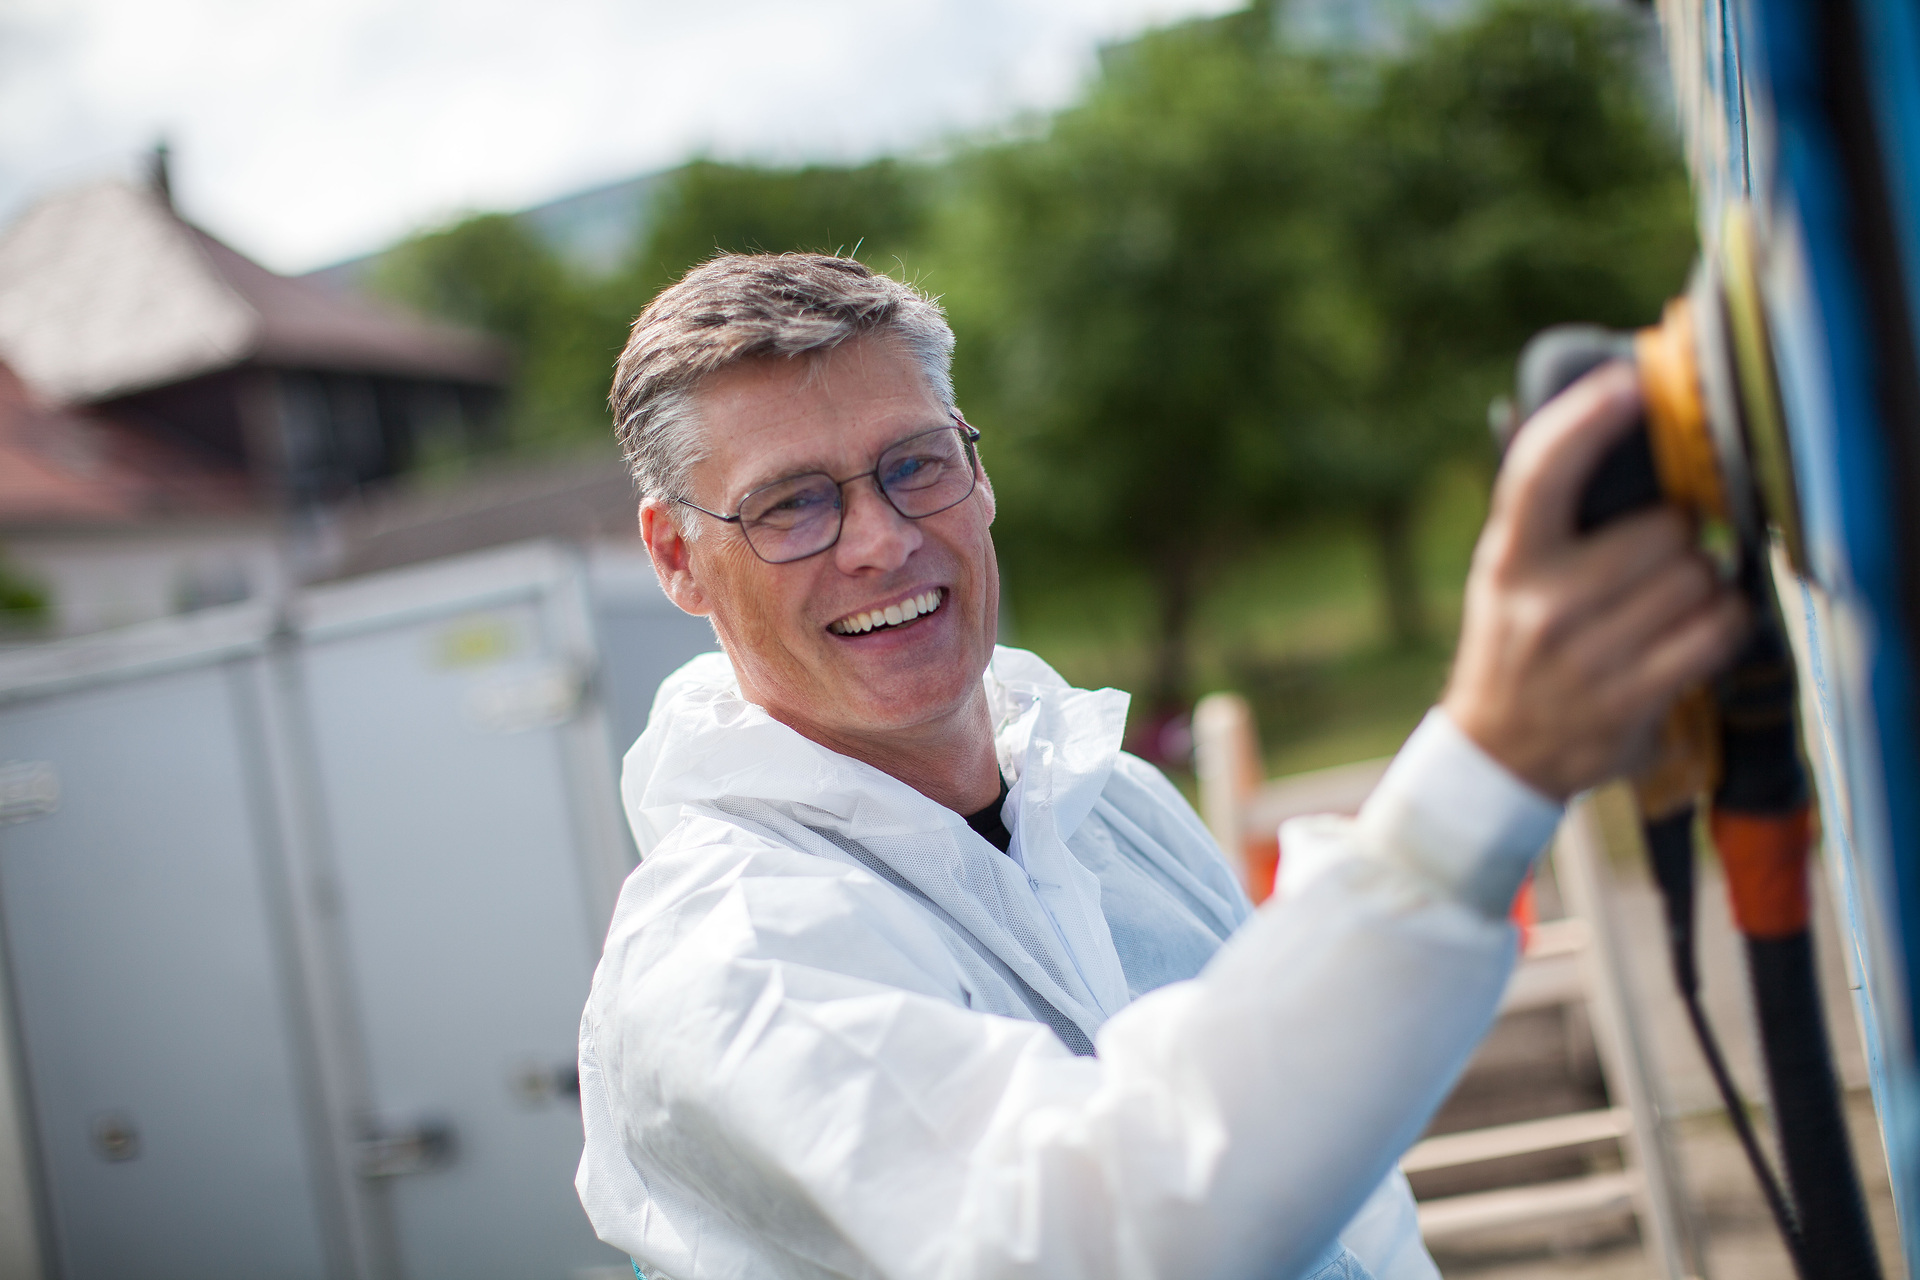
[
  {"x": 1749, "y": 1141},
  {"x": 1670, "y": 851},
  {"x": 1763, "y": 782},
  {"x": 1807, "y": 1111}
]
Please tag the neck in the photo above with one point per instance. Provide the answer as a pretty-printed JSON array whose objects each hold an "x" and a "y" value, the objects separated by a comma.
[{"x": 950, "y": 761}]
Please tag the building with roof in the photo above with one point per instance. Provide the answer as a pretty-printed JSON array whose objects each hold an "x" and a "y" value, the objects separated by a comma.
[{"x": 180, "y": 426}]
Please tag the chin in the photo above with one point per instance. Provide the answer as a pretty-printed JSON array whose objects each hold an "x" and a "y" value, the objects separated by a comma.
[
  {"x": 904, "y": 699},
  {"x": 873, "y": 709}
]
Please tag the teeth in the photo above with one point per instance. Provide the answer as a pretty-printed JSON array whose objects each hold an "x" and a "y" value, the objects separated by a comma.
[{"x": 891, "y": 616}]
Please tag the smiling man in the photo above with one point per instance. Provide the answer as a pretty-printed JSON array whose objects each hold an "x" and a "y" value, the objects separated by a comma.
[{"x": 920, "y": 975}]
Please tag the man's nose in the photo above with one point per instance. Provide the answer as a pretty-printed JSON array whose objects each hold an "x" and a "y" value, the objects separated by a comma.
[{"x": 872, "y": 534}]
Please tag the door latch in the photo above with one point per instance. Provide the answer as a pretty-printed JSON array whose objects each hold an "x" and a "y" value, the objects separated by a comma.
[{"x": 419, "y": 1148}]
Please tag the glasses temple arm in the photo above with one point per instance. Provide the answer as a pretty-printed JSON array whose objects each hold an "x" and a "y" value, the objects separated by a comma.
[{"x": 703, "y": 511}]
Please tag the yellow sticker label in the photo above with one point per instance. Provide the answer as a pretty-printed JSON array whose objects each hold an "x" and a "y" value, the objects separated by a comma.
[{"x": 476, "y": 642}]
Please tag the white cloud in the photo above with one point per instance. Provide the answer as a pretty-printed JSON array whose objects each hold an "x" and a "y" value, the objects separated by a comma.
[{"x": 309, "y": 130}]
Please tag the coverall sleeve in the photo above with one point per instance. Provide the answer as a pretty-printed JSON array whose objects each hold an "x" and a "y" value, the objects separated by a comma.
[{"x": 783, "y": 1111}]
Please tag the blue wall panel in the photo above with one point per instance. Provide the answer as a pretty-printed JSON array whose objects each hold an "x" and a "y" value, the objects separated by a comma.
[{"x": 1813, "y": 109}]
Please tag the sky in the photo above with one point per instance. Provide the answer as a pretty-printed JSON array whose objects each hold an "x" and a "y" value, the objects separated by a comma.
[{"x": 304, "y": 132}]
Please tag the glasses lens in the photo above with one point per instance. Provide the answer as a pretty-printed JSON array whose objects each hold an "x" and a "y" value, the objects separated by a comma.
[
  {"x": 927, "y": 473},
  {"x": 793, "y": 518}
]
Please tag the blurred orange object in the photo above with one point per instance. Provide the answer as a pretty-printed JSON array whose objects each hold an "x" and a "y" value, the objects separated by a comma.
[
  {"x": 1524, "y": 913},
  {"x": 1263, "y": 867},
  {"x": 1765, "y": 859}
]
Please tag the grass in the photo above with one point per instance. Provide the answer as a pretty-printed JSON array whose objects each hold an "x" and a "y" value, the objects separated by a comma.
[{"x": 1297, "y": 627}]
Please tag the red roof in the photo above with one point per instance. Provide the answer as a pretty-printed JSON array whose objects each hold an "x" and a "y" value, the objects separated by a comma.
[{"x": 60, "y": 466}]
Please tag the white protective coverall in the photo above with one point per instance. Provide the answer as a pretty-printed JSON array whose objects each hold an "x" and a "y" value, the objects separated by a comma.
[{"x": 833, "y": 1030}]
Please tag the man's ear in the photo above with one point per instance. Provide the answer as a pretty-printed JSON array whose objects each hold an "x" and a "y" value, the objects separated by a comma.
[
  {"x": 672, "y": 558},
  {"x": 979, "y": 467}
]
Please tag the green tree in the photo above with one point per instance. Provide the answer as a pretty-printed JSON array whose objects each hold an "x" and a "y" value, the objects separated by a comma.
[
  {"x": 1237, "y": 284},
  {"x": 1508, "y": 173},
  {"x": 25, "y": 605},
  {"x": 492, "y": 273},
  {"x": 875, "y": 211},
  {"x": 1153, "y": 311}
]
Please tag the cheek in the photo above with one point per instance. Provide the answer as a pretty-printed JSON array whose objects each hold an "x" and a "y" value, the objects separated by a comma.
[
  {"x": 768, "y": 605},
  {"x": 987, "y": 562},
  {"x": 729, "y": 584}
]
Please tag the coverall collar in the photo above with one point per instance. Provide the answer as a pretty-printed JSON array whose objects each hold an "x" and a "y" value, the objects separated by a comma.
[
  {"x": 1038, "y": 907},
  {"x": 705, "y": 742}
]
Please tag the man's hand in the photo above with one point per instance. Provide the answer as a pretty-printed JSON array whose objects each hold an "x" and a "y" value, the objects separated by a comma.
[{"x": 1573, "y": 646}]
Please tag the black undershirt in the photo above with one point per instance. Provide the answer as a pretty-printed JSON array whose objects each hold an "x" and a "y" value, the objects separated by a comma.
[{"x": 990, "y": 824}]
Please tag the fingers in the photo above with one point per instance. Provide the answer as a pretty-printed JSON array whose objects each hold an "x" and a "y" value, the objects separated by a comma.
[
  {"x": 1577, "y": 588},
  {"x": 1690, "y": 652},
  {"x": 1573, "y": 645},
  {"x": 1558, "y": 449},
  {"x": 1615, "y": 561},
  {"x": 1621, "y": 634}
]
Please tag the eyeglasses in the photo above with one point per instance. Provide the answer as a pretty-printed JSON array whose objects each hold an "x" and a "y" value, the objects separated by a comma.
[{"x": 802, "y": 515}]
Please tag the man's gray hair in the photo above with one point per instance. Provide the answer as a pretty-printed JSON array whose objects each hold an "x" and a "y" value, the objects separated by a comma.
[{"x": 735, "y": 307}]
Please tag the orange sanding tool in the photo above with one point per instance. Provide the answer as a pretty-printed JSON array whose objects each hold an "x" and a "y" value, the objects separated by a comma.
[{"x": 1711, "y": 404}]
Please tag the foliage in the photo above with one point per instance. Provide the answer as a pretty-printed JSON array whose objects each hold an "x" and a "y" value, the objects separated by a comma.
[
  {"x": 1507, "y": 174},
  {"x": 24, "y": 603},
  {"x": 1146, "y": 314},
  {"x": 875, "y": 212},
  {"x": 492, "y": 273},
  {"x": 1237, "y": 286},
  {"x": 1242, "y": 283}
]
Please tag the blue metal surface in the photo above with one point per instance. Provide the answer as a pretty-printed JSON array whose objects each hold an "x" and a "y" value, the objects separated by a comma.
[{"x": 1761, "y": 76}]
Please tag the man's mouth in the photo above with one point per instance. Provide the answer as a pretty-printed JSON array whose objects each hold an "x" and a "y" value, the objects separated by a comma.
[{"x": 894, "y": 615}]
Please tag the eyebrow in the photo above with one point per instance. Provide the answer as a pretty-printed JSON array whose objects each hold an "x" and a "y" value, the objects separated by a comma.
[{"x": 821, "y": 470}]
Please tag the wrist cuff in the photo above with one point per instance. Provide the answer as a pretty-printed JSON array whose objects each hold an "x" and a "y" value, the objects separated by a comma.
[{"x": 1458, "y": 817}]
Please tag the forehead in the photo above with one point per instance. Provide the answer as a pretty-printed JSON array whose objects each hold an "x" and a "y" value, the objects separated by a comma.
[{"x": 774, "y": 416}]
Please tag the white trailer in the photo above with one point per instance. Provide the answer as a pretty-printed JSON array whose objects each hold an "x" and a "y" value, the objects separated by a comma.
[{"x": 299, "y": 907}]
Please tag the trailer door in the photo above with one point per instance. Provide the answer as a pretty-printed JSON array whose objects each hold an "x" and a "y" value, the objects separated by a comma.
[
  {"x": 457, "y": 756},
  {"x": 140, "y": 901}
]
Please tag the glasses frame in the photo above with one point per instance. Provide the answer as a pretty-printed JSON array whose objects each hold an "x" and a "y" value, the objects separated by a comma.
[{"x": 969, "y": 437}]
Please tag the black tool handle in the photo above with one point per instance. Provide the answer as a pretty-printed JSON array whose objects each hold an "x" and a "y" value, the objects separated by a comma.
[{"x": 1625, "y": 479}]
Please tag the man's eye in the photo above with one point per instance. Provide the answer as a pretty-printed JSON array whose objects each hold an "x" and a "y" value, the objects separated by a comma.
[
  {"x": 790, "y": 506},
  {"x": 911, "y": 470}
]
